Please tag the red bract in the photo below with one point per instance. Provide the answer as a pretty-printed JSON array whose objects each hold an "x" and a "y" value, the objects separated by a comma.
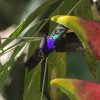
[
  {"x": 78, "y": 89},
  {"x": 92, "y": 31},
  {"x": 88, "y": 32},
  {"x": 87, "y": 90}
]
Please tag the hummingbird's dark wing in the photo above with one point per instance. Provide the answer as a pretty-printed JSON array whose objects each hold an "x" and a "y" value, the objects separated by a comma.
[
  {"x": 38, "y": 55},
  {"x": 69, "y": 43},
  {"x": 34, "y": 59}
]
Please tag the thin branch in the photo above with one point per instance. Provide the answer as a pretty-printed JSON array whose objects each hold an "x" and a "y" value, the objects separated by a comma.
[
  {"x": 16, "y": 45},
  {"x": 44, "y": 77},
  {"x": 24, "y": 38},
  {"x": 74, "y": 7}
]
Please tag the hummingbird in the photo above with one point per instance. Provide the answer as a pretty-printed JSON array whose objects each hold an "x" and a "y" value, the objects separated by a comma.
[{"x": 58, "y": 41}]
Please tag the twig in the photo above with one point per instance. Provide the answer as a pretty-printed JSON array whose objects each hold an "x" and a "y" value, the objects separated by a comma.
[
  {"x": 24, "y": 38},
  {"x": 44, "y": 76}
]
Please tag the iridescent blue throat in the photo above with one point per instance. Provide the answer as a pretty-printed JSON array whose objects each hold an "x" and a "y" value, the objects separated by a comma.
[{"x": 57, "y": 34}]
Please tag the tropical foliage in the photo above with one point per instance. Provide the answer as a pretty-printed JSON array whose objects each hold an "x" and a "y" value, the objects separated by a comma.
[{"x": 37, "y": 82}]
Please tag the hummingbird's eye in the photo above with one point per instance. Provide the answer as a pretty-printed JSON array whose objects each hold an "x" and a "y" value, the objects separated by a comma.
[{"x": 62, "y": 29}]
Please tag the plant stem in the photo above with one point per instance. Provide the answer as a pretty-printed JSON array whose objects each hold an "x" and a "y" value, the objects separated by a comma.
[
  {"x": 44, "y": 76},
  {"x": 24, "y": 38},
  {"x": 74, "y": 7}
]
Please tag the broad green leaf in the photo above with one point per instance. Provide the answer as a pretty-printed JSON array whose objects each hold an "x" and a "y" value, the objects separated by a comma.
[
  {"x": 57, "y": 69},
  {"x": 83, "y": 10},
  {"x": 78, "y": 89},
  {"x": 32, "y": 85}
]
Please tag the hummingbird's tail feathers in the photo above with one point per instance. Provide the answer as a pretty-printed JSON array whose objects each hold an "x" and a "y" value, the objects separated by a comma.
[{"x": 34, "y": 59}]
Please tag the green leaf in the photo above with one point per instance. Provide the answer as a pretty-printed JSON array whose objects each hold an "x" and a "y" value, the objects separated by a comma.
[
  {"x": 57, "y": 69},
  {"x": 84, "y": 10},
  {"x": 6, "y": 69},
  {"x": 27, "y": 21},
  {"x": 32, "y": 85}
]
